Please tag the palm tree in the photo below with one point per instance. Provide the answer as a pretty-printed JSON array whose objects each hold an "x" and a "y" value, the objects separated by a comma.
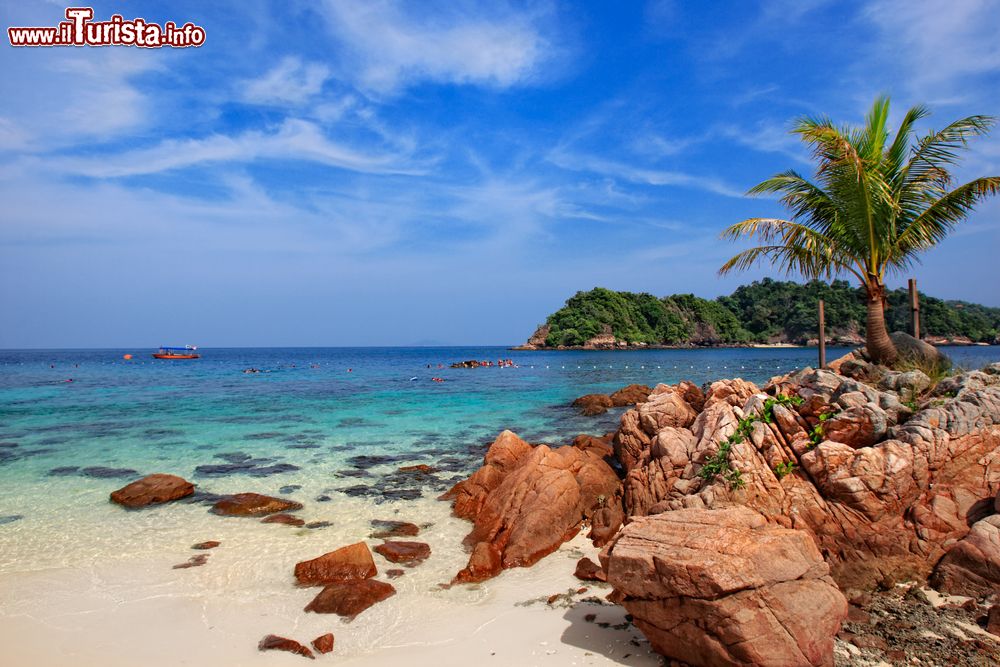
[{"x": 877, "y": 202}]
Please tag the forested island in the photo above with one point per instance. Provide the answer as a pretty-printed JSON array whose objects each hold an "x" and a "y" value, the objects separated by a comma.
[{"x": 765, "y": 312}]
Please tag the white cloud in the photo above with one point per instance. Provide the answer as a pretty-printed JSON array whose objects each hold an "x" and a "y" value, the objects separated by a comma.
[
  {"x": 389, "y": 48},
  {"x": 940, "y": 42},
  {"x": 290, "y": 82},
  {"x": 293, "y": 140}
]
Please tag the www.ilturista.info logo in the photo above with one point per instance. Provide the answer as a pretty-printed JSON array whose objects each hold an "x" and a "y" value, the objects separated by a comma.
[{"x": 81, "y": 30}]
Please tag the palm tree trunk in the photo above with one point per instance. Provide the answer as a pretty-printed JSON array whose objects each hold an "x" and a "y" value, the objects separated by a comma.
[{"x": 880, "y": 346}]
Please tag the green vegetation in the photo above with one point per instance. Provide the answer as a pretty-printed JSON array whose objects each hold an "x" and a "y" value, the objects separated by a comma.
[
  {"x": 718, "y": 464},
  {"x": 876, "y": 203},
  {"x": 784, "y": 468},
  {"x": 764, "y": 311}
]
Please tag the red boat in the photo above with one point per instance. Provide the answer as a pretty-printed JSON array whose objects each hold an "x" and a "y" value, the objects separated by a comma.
[{"x": 186, "y": 352}]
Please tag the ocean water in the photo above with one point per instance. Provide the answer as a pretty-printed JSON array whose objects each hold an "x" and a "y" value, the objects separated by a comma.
[{"x": 327, "y": 427}]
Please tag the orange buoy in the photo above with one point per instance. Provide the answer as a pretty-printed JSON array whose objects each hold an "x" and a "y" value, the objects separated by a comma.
[{"x": 127, "y": 357}]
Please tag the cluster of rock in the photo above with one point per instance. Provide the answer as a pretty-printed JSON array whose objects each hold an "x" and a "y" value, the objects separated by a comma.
[
  {"x": 346, "y": 574},
  {"x": 751, "y": 509}
]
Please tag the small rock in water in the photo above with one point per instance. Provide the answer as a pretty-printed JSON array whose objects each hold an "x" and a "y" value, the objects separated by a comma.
[
  {"x": 152, "y": 490},
  {"x": 350, "y": 598},
  {"x": 323, "y": 498},
  {"x": 404, "y": 552},
  {"x": 387, "y": 528},
  {"x": 313, "y": 525},
  {"x": 253, "y": 504},
  {"x": 63, "y": 471},
  {"x": 289, "y": 488},
  {"x": 276, "y": 643},
  {"x": 323, "y": 643},
  {"x": 211, "y": 544},
  {"x": 286, "y": 519},
  {"x": 193, "y": 561},
  {"x": 345, "y": 564},
  {"x": 395, "y": 573},
  {"x": 10, "y": 518}
]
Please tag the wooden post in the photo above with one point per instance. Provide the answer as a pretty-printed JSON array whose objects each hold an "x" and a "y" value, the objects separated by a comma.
[
  {"x": 822, "y": 336},
  {"x": 915, "y": 308}
]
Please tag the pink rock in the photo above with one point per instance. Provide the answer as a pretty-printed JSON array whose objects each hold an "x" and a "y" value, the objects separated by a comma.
[
  {"x": 723, "y": 587},
  {"x": 350, "y": 598},
  {"x": 253, "y": 504}
]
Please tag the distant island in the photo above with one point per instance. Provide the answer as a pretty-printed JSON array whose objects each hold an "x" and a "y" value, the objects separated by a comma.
[{"x": 766, "y": 312}]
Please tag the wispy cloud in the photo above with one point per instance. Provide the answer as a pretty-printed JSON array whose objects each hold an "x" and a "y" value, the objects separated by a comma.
[
  {"x": 291, "y": 81},
  {"x": 391, "y": 45},
  {"x": 292, "y": 140},
  {"x": 642, "y": 175}
]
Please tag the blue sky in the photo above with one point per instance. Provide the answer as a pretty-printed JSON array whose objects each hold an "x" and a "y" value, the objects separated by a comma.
[{"x": 385, "y": 173}]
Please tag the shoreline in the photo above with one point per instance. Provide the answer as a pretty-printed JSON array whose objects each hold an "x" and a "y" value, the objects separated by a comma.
[{"x": 735, "y": 346}]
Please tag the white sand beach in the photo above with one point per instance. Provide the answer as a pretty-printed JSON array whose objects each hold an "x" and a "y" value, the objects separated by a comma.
[{"x": 127, "y": 607}]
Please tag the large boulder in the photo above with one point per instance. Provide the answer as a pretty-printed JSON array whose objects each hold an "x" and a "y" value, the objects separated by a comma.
[
  {"x": 152, "y": 490},
  {"x": 972, "y": 565},
  {"x": 725, "y": 587},
  {"x": 254, "y": 505},
  {"x": 913, "y": 350},
  {"x": 526, "y": 502},
  {"x": 345, "y": 564}
]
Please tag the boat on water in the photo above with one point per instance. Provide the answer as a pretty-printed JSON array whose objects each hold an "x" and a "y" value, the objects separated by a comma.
[{"x": 186, "y": 352}]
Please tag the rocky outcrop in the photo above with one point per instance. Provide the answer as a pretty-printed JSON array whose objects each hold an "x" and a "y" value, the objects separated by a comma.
[
  {"x": 350, "y": 598},
  {"x": 527, "y": 500},
  {"x": 152, "y": 490},
  {"x": 276, "y": 643},
  {"x": 883, "y": 491},
  {"x": 725, "y": 587},
  {"x": 345, "y": 564},
  {"x": 254, "y": 505},
  {"x": 972, "y": 565}
]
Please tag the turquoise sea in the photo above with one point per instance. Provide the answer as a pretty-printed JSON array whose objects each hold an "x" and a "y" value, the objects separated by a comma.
[{"x": 350, "y": 411}]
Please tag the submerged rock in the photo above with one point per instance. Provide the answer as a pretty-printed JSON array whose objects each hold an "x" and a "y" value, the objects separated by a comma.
[
  {"x": 386, "y": 528},
  {"x": 724, "y": 587},
  {"x": 152, "y": 490},
  {"x": 350, "y": 598},
  {"x": 211, "y": 544},
  {"x": 276, "y": 643},
  {"x": 253, "y": 504},
  {"x": 193, "y": 561},
  {"x": 345, "y": 564},
  {"x": 286, "y": 519},
  {"x": 404, "y": 552}
]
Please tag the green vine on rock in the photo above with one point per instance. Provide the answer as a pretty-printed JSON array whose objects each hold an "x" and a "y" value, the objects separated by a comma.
[{"x": 718, "y": 464}]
